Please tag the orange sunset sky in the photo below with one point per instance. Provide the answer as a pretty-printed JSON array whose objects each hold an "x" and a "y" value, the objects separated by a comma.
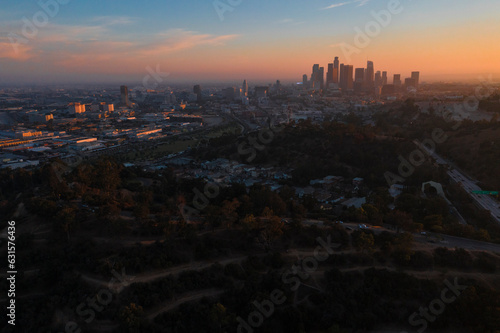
[{"x": 194, "y": 41}]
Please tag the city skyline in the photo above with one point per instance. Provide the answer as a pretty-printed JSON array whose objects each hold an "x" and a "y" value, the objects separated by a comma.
[{"x": 256, "y": 40}]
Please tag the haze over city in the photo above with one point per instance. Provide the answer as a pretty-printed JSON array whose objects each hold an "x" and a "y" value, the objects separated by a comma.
[{"x": 115, "y": 41}]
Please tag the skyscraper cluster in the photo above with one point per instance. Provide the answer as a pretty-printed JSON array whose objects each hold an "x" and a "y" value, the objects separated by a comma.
[{"x": 345, "y": 78}]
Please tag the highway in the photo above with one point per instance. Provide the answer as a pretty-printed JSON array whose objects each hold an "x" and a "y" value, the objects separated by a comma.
[{"x": 482, "y": 200}]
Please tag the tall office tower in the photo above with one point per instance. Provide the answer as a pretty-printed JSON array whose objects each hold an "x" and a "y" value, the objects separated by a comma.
[
  {"x": 349, "y": 72},
  {"x": 369, "y": 76},
  {"x": 197, "y": 91},
  {"x": 416, "y": 77},
  {"x": 278, "y": 86},
  {"x": 124, "y": 96},
  {"x": 321, "y": 78},
  {"x": 378, "y": 79},
  {"x": 346, "y": 81},
  {"x": 359, "y": 77},
  {"x": 305, "y": 81},
  {"x": 245, "y": 88},
  {"x": 314, "y": 76},
  {"x": 384, "y": 78},
  {"x": 329, "y": 76},
  {"x": 397, "y": 81},
  {"x": 378, "y": 83},
  {"x": 336, "y": 70},
  {"x": 341, "y": 74},
  {"x": 410, "y": 83}
]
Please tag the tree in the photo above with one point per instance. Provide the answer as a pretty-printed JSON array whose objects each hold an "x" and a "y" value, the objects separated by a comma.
[
  {"x": 66, "y": 219},
  {"x": 364, "y": 242},
  {"x": 249, "y": 222},
  {"x": 401, "y": 220},
  {"x": 131, "y": 316},
  {"x": 273, "y": 229},
  {"x": 141, "y": 212},
  {"x": 107, "y": 174},
  {"x": 229, "y": 212}
]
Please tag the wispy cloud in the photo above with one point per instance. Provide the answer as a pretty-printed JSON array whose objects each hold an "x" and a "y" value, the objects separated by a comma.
[
  {"x": 335, "y": 5},
  {"x": 362, "y": 2},
  {"x": 340, "y": 4},
  {"x": 99, "y": 49},
  {"x": 114, "y": 20}
]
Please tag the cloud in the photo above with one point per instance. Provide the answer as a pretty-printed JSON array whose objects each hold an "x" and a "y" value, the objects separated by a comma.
[
  {"x": 362, "y": 2},
  {"x": 13, "y": 49},
  {"x": 336, "y": 5},
  {"x": 97, "y": 49},
  {"x": 290, "y": 21},
  {"x": 114, "y": 20},
  {"x": 179, "y": 39}
]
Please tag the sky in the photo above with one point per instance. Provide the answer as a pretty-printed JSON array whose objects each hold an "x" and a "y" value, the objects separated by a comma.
[{"x": 194, "y": 41}]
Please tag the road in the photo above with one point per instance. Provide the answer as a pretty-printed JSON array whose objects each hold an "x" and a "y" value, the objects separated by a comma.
[
  {"x": 440, "y": 240},
  {"x": 484, "y": 201}
]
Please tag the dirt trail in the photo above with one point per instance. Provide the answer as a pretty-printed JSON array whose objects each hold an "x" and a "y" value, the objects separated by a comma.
[
  {"x": 151, "y": 276},
  {"x": 188, "y": 297}
]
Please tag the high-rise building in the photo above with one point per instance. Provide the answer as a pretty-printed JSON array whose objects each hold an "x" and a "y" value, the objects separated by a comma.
[
  {"x": 336, "y": 67},
  {"x": 197, "y": 91},
  {"x": 305, "y": 82},
  {"x": 416, "y": 78},
  {"x": 314, "y": 76},
  {"x": 410, "y": 83},
  {"x": 397, "y": 80},
  {"x": 341, "y": 75},
  {"x": 369, "y": 76},
  {"x": 378, "y": 79},
  {"x": 245, "y": 88},
  {"x": 321, "y": 78},
  {"x": 359, "y": 78},
  {"x": 346, "y": 82},
  {"x": 329, "y": 76},
  {"x": 384, "y": 78},
  {"x": 359, "y": 75},
  {"x": 124, "y": 96}
]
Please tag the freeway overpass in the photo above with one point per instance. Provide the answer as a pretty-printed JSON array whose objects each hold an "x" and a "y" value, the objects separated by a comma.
[{"x": 483, "y": 201}]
